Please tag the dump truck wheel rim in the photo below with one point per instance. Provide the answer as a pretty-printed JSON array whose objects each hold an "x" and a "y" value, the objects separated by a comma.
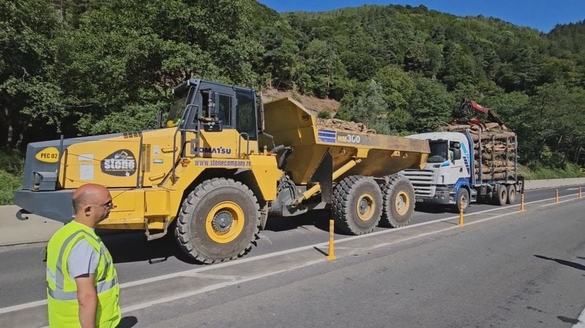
[
  {"x": 225, "y": 222},
  {"x": 402, "y": 203},
  {"x": 365, "y": 207}
]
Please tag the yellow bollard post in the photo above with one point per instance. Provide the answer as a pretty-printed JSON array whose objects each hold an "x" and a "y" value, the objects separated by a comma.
[
  {"x": 461, "y": 218},
  {"x": 522, "y": 204},
  {"x": 331, "y": 251},
  {"x": 557, "y": 200}
]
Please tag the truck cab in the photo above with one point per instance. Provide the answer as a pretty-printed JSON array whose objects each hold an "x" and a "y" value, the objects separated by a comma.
[{"x": 447, "y": 177}]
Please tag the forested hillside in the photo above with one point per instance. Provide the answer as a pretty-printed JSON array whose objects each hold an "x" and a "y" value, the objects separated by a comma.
[{"x": 78, "y": 67}]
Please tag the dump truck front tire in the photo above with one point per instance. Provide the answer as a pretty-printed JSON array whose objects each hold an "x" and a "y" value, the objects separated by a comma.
[
  {"x": 357, "y": 205},
  {"x": 399, "y": 202},
  {"x": 219, "y": 221}
]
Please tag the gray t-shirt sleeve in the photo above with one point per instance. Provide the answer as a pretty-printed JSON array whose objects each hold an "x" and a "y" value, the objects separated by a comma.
[{"x": 82, "y": 260}]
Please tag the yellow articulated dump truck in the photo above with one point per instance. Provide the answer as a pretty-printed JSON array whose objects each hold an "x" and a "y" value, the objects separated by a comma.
[{"x": 220, "y": 166}]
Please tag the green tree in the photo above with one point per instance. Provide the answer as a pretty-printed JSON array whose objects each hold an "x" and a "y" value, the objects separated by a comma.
[
  {"x": 367, "y": 107},
  {"x": 429, "y": 105},
  {"x": 320, "y": 64},
  {"x": 30, "y": 97}
]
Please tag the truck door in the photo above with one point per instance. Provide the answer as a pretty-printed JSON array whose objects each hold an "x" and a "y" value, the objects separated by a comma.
[{"x": 457, "y": 156}]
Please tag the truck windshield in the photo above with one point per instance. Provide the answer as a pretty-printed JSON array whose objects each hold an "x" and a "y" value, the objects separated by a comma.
[
  {"x": 439, "y": 150},
  {"x": 177, "y": 109}
]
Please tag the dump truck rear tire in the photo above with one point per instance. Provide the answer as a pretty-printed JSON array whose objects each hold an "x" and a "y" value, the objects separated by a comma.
[
  {"x": 219, "y": 221},
  {"x": 357, "y": 205},
  {"x": 399, "y": 202}
]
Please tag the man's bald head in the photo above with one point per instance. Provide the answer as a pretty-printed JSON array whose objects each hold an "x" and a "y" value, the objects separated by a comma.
[{"x": 89, "y": 194}]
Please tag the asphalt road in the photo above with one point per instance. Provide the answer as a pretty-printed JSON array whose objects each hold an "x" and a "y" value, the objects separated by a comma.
[{"x": 500, "y": 273}]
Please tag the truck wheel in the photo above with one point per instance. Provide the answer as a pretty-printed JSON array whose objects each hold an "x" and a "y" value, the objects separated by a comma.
[
  {"x": 511, "y": 189},
  {"x": 357, "y": 205},
  {"x": 462, "y": 199},
  {"x": 219, "y": 221},
  {"x": 501, "y": 195},
  {"x": 399, "y": 202}
]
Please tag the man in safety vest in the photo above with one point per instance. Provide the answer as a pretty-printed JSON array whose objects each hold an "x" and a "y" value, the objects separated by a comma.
[{"x": 82, "y": 285}]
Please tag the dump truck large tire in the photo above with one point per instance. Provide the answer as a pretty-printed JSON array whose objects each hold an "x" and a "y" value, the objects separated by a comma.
[
  {"x": 219, "y": 221},
  {"x": 399, "y": 202},
  {"x": 357, "y": 205}
]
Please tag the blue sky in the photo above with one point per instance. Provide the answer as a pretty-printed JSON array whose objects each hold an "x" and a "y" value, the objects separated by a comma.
[{"x": 542, "y": 15}]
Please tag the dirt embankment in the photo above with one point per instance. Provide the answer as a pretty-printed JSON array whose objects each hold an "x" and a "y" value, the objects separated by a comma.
[
  {"x": 313, "y": 104},
  {"x": 318, "y": 105}
]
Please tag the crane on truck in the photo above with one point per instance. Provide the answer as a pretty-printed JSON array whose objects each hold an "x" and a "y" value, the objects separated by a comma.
[
  {"x": 471, "y": 160},
  {"x": 220, "y": 166}
]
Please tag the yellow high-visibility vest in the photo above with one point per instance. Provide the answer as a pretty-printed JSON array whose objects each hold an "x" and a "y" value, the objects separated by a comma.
[{"x": 61, "y": 288}]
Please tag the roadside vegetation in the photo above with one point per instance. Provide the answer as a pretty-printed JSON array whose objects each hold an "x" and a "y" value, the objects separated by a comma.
[
  {"x": 10, "y": 175},
  {"x": 80, "y": 67}
]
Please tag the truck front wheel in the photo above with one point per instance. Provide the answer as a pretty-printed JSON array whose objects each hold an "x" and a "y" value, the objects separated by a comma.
[
  {"x": 462, "y": 199},
  {"x": 398, "y": 202},
  {"x": 219, "y": 221},
  {"x": 357, "y": 204}
]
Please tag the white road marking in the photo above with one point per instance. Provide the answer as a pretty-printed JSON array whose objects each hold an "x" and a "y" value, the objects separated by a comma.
[
  {"x": 175, "y": 297},
  {"x": 560, "y": 202},
  {"x": 192, "y": 272},
  {"x": 581, "y": 323}
]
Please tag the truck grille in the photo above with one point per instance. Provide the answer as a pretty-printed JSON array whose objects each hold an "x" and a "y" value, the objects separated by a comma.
[{"x": 422, "y": 181}]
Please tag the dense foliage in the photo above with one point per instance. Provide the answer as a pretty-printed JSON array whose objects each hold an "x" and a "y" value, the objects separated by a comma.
[{"x": 78, "y": 67}]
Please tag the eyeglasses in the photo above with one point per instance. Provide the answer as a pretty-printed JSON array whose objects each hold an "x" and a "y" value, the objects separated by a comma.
[{"x": 108, "y": 206}]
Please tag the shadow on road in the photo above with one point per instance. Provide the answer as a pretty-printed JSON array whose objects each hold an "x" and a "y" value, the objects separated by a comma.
[
  {"x": 318, "y": 219},
  {"x": 568, "y": 320},
  {"x": 434, "y": 209},
  {"x": 131, "y": 246},
  {"x": 128, "y": 322},
  {"x": 563, "y": 262}
]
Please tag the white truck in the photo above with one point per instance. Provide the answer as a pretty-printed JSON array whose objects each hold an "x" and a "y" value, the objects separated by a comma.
[{"x": 466, "y": 166}]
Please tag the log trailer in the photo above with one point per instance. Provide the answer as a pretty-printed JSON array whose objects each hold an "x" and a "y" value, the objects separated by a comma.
[{"x": 221, "y": 165}]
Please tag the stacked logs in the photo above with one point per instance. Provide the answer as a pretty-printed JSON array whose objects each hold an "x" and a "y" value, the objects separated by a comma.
[{"x": 495, "y": 144}]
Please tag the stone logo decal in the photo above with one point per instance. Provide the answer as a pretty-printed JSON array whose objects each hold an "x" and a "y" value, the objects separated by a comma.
[{"x": 121, "y": 163}]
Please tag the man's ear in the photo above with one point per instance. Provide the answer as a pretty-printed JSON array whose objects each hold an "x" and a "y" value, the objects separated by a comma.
[{"x": 87, "y": 210}]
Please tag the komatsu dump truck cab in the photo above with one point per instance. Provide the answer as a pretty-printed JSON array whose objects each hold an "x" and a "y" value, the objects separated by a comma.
[{"x": 219, "y": 164}]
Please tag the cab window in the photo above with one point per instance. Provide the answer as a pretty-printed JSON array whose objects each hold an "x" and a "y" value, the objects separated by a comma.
[
  {"x": 246, "y": 114},
  {"x": 225, "y": 110}
]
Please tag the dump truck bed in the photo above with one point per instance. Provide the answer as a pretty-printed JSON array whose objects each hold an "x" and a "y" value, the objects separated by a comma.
[{"x": 290, "y": 124}]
